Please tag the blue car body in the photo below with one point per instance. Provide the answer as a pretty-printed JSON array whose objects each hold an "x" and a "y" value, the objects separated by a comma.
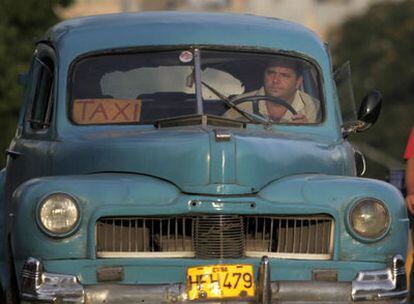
[{"x": 144, "y": 171}]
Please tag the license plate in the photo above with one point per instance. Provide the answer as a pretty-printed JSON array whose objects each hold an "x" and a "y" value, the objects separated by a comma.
[{"x": 220, "y": 282}]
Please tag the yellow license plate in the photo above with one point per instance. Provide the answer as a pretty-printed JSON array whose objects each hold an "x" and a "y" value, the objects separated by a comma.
[{"x": 220, "y": 282}]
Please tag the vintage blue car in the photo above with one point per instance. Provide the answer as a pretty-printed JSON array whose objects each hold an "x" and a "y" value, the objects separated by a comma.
[{"x": 188, "y": 157}]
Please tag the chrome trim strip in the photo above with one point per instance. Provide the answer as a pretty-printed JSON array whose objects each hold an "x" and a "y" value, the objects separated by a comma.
[
  {"x": 122, "y": 255},
  {"x": 363, "y": 160},
  {"x": 293, "y": 256}
]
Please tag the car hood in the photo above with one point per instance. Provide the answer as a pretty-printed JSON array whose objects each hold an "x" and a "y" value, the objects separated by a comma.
[{"x": 202, "y": 160}]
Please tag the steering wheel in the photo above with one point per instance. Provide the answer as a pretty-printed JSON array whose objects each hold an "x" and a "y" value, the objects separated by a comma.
[{"x": 275, "y": 100}]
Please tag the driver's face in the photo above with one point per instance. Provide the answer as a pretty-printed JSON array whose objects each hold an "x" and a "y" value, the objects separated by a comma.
[{"x": 281, "y": 82}]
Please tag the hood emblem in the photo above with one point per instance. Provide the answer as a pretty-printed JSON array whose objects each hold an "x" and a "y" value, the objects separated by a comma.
[{"x": 222, "y": 135}]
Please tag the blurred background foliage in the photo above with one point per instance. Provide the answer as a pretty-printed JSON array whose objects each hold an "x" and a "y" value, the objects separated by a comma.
[
  {"x": 379, "y": 44},
  {"x": 380, "y": 47}
]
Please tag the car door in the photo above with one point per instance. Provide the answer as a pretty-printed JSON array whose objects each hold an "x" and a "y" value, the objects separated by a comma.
[{"x": 28, "y": 151}]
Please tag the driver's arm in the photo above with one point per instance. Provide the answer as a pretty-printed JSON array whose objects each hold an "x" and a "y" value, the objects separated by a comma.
[
  {"x": 308, "y": 109},
  {"x": 299, "y": 118}
]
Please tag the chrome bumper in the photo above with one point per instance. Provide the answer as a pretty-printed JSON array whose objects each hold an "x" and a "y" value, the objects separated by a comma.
[
  {"x": 389, "y": 283},
  {"x": 381, "y": 286}
]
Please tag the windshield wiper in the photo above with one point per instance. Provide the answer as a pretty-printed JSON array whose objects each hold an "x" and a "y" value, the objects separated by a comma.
[{"x": 250, "y": 116}]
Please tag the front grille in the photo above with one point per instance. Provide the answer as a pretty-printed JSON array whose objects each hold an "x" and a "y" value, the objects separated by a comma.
[
  {"x": 137, "y": 236},
  {"x": 216, "y": 236},
  {"x": 290, "y": 236}
]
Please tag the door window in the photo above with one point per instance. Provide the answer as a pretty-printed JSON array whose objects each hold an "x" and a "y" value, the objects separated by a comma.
[{"x": 40, "y": 111}]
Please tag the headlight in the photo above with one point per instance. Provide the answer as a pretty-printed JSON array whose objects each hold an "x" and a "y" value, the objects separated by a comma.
[
  {"x": 58, "y": 214},
  {"x": 369, "y": 218}
]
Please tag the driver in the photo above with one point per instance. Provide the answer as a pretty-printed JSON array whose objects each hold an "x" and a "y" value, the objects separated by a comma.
[{"x": 282, "y": 79}]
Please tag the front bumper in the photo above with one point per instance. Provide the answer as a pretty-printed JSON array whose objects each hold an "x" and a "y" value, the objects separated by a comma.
[{"x": 384, "y": 286}]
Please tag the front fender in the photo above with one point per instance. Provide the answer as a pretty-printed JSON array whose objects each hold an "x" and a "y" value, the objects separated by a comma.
[
  {"x": 338, "y": 193},
  {"x": 94, "y": 194}
]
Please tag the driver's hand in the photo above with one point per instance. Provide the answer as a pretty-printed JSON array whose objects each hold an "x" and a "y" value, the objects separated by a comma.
[
  {"x": 299, "y": 118},
  {"x": 410, "y": 203}
]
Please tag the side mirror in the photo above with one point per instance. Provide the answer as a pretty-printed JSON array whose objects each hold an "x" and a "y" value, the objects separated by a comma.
[
  {"x": 369, "y": 110},
  {"x": 367, "y": 115}
]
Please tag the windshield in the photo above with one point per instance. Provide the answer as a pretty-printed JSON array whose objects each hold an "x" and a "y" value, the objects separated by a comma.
[{"x": 141, "y": 88}]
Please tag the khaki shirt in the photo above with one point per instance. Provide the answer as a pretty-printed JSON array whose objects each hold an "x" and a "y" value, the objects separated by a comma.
[{"x": 302, "y": 103}]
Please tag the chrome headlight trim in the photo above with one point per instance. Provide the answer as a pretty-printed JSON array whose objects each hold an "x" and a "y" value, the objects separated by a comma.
[
  {"x": 359, "y": 235},
  {"x": 72, "y": 227}
]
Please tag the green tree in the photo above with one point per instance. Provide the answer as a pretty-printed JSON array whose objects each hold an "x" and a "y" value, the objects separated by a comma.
[
  {"x": 22, "y": 22},
  {"x": 380, "y": 46}
]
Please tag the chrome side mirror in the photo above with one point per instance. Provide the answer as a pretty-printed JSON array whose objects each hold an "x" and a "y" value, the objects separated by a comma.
[
  {"x": 369, "y": 110},
  {"x": 368, "y": 114}
]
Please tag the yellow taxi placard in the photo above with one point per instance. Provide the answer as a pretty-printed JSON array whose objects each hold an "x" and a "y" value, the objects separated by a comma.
[{"x": 106, "y": 111}]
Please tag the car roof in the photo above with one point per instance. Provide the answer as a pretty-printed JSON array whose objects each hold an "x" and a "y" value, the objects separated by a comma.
[{"x": 127, "y": 30}]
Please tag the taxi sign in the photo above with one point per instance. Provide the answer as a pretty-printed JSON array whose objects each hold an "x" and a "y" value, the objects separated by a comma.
[{"x": 106, "y": 111}]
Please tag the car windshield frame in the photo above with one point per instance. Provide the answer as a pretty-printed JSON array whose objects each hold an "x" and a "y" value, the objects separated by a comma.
[{"x": 310, "y": 62}]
